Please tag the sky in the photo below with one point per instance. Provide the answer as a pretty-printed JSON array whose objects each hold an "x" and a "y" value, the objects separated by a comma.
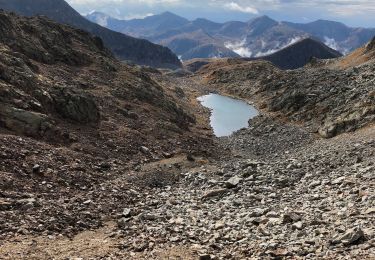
[{"x": 356, "y": 13}]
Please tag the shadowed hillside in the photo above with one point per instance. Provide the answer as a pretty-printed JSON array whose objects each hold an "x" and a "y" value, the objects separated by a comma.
[{"x": 299, "y": 54}]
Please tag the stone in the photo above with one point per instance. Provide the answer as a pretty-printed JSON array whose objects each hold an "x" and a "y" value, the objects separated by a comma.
[
  {"x": 298, "y": 225},
  {"x": 145, "y": 150},
  {"x": 349, "y": 237},
  {"x": 272, "y": 214},
  {"x": 126, "y": 212},
  {"x": 123, "y": 222},
  {"x": 258, "y": 212},
  {"x": 167, "y": 155},
  {"x": 214, "y": 193},
  {"x": 233, "y": 182},
  {"x": 80, "y": 107},
  {"x": 24, "y": 122},
  {"x": 5, "y": 205},
  {"x": 36, "y": 169},
  {"x": 370, "y": 211},
  {"x": 314, "y": 184},
  {"x": 190, "y": 157},
  {"x": 291, "y": 217},
  {"x": 26, "y": 204},
  {"x": 338, "y": 180},
  {"x": 205, "y": 257}
]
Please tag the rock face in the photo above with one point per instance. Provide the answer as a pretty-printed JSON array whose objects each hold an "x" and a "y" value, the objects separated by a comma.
[{"x": 123, "y": 46}]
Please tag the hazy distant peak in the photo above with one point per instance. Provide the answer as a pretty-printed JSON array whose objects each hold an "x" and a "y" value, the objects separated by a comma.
[
  {"x": 263, "y": 18},
  {"x": 167, "y": 13}
]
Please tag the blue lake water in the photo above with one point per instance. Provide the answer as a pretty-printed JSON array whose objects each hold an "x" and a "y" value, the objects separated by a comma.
[{"x": 227, "y": 114}]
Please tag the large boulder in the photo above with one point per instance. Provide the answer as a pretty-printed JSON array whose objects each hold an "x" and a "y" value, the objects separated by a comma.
[
  {"x": 79, "y": 107},
  {"x": 24, "y": 122}
]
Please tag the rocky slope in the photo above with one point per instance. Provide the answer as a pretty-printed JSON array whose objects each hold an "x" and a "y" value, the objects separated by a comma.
[
  {"x": 286, "y": 198},
  {"x": 72, "y": 117},
  {"x": 123, "y": 46},
  {"x": 361, "y": 56},
  {"x": 282, "y": 194}
]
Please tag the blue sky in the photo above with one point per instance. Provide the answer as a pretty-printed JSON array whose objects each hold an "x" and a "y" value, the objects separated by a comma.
[{"x": 351, "y": 12}]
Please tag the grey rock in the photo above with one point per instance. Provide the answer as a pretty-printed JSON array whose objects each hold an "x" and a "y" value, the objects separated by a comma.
[
  {"x": 145, "y": 150},
  {"x": 126, "y": 212},
  {"x": 349, "y": 237},
  {"x": 233, "y": 182},
  {"x": 214, "y": 193}
]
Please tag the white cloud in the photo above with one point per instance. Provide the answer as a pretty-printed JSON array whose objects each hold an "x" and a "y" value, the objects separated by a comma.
[
  {"x": 239, "y": 48},
  {"x": 269, "y": 52},
  {"x": 239, "y": 8},
  {"x": 107, "y": 2},
  {"x": 357, "y": 12},
  {"x": 137, "y": 16},
  {"x": 335, "y": 45}
]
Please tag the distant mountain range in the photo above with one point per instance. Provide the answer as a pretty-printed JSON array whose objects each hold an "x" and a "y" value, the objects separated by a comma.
[
  {"x": 295, "y": 56},
  {"x": 123, "y": 46},
  {"x": 261, "y": 36}
]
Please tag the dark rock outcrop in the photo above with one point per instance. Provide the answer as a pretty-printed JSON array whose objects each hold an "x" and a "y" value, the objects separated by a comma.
[
  {"x": 78, "y": 107},
  {"x": 371, "y": 45}
]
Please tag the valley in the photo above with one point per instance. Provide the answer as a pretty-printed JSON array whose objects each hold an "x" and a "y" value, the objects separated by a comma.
[
  {"x": 103, "y": 159},
  {"x": 277, "y": 191}
]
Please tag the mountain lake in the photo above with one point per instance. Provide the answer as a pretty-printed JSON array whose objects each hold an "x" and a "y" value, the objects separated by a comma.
[{"x": 227, "y": 114}]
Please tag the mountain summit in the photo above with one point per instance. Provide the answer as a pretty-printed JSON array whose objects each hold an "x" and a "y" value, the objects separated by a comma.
[
  {"x": 123, "y": 46},
  {"x": 300, "y": 53}
]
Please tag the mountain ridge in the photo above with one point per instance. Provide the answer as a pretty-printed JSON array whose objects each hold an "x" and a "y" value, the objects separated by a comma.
[
  {"x": 301, "y": 53},
  {"x": 263, "y": 35}
]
